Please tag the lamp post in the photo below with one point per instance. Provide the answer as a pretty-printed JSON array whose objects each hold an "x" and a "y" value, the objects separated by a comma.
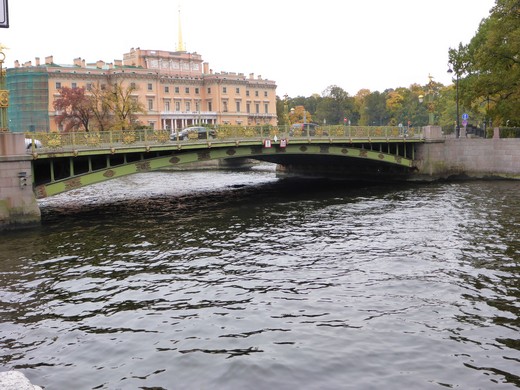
[
  {"x": 431, "y": 105},
  {"x": 305, "y": 121},
  {"x": 4, "y": 94},
  {"x": 286, "y": 111},
  {"x": 457, "y": 126}
]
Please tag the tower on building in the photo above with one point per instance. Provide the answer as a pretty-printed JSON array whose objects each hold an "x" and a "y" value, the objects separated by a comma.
[{"x": 180, "y": 44}]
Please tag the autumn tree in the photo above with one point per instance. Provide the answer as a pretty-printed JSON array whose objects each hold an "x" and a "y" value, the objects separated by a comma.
[
  {"x": 404, "y": 108},
  {"x": 299, "y": 114},
  {"x": 74, "y": 109},
  {"x": 489, "y": 66},
  {"x": 360, "y": 105},
  {"x": 395, "y": 105},
  {"x": 123, "y": 105},
  {"x": 102, "y": 117}
]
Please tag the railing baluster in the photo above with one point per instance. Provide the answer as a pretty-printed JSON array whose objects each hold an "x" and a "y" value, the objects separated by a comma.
[{"x": 68, "y": 142}]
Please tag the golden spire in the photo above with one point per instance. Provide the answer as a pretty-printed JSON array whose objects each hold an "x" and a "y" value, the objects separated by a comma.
[{"x": 180, "y": 44}]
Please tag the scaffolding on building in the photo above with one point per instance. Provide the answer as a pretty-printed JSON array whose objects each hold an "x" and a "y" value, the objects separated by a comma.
[
  {"x": 4, "y": 96},
  {"x": 29, "y": 99}
]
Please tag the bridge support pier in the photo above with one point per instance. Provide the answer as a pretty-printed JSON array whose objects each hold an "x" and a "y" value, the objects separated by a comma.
[
  {"x": 18, "y": 206},
  {"x": 432, "y": 132}
]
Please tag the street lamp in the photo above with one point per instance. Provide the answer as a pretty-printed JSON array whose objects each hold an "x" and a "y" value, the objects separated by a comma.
[
  {"x": 431, "y": 105},
  {"x": 286, "y": 110},
  {"x": 4, "y": 94},
  {"x": 450, "y": 70},
  {"x": 305, "y": 121}
]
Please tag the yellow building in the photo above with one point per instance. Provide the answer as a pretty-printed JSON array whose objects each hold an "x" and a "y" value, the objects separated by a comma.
[{"x": 177, "y": 89}]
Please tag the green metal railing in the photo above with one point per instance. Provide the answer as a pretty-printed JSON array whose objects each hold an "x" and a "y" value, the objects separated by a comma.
[
  {"x": 116, "y": 139},
  {"x": 509, "y": 132}
]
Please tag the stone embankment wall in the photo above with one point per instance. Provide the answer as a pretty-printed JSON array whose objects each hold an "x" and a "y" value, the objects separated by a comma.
[
  {"x": 469, "y": 158},
  {"x": 18, "y": 206}
]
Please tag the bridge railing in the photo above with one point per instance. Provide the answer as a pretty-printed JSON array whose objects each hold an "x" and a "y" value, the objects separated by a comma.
[
  {"x": 121, "y": 138},
  {"x": 98, "y": 139}
]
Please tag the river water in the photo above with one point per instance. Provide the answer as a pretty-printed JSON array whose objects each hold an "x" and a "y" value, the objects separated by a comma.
[{"x": 238, "y": 280}]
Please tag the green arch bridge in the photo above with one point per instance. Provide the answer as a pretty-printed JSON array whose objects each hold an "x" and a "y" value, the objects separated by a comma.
[{"x": 66, "y": 161}]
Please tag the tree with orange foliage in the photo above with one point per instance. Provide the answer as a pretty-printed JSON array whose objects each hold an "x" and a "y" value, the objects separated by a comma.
[
  {"x": 74, "y": 109},
  {"x": 299, "y": 115}
]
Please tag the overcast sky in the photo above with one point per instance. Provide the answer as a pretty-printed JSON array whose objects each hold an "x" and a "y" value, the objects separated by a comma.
[{"x": 303, "y": 45}]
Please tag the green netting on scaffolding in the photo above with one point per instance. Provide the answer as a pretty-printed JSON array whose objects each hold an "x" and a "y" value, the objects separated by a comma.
[{"x": 28, "y": 99}]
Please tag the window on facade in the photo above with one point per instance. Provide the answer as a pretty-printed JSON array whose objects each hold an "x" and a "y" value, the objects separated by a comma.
[
  {"x": 224, "y": 106},
  {"x": 209, "y": 90},
  {"x": 177, "y": 106},
  {"x": 247, "y": 93},
  {"x": 167, "y": 105},
  {"x": 74, "y": 85},
  {"x": 196, "y": 91},
  {"x": 151, "y": 125},
  {"x": 150, "y": 104},
  {"x": 256, "y": 93},
  {"x": 237, "y": 90},
  {"x": 224, "y": 89},
  {"x": 210, "y": 106},
  {"x": 176, "y": 89},
  {"x": 266, "y": 106},
  {"x": 238, "y": 106},
  {"x": 187, "y": 90},
  {"x": 58, "y": 85},
  {"x": 133, "y": 86},
  {"x": 257, "y": 107},
  {"x": 89, "y": 86},
  {"x": 197, "y": 106},
  {"x": 103, "y": 87},
  {"x": 248, "y": 108},
  {"x": 150, "y": 86},
  {"x": 265, "y": 93},
  {"x": 166, "y": 89}
]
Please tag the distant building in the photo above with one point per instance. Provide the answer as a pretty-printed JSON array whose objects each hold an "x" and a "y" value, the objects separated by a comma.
[{"x": 177, "y": 89}]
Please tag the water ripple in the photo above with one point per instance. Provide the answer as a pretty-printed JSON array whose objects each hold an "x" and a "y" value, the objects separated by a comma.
[{"x": 267, "y": 285}]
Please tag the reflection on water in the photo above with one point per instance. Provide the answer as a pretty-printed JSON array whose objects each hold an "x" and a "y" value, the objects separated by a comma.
[{"x": 238, "y": 280}]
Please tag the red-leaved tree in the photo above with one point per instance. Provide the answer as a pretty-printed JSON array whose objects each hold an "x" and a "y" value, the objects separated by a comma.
[{"x": 74, "y": 109}]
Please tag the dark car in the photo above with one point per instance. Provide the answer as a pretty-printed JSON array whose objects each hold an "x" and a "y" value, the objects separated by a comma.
[
  {"x": 195, "y": 132},
  {"x": 304, "y": 129}
]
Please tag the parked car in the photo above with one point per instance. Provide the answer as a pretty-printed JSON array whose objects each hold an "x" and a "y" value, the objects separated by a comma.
[
  {"x": 304, "y": 129},
  {"x": 195, "y": 132},
  {"x": 29, "y": 143}
]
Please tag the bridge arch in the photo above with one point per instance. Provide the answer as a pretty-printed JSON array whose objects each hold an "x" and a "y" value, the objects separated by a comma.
[{"x": 301, "y": 156}]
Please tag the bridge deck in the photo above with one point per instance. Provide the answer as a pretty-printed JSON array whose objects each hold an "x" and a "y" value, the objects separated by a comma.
[
  {"x": 65, "y": 161},
  {"x": 51, "y": 145}
]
